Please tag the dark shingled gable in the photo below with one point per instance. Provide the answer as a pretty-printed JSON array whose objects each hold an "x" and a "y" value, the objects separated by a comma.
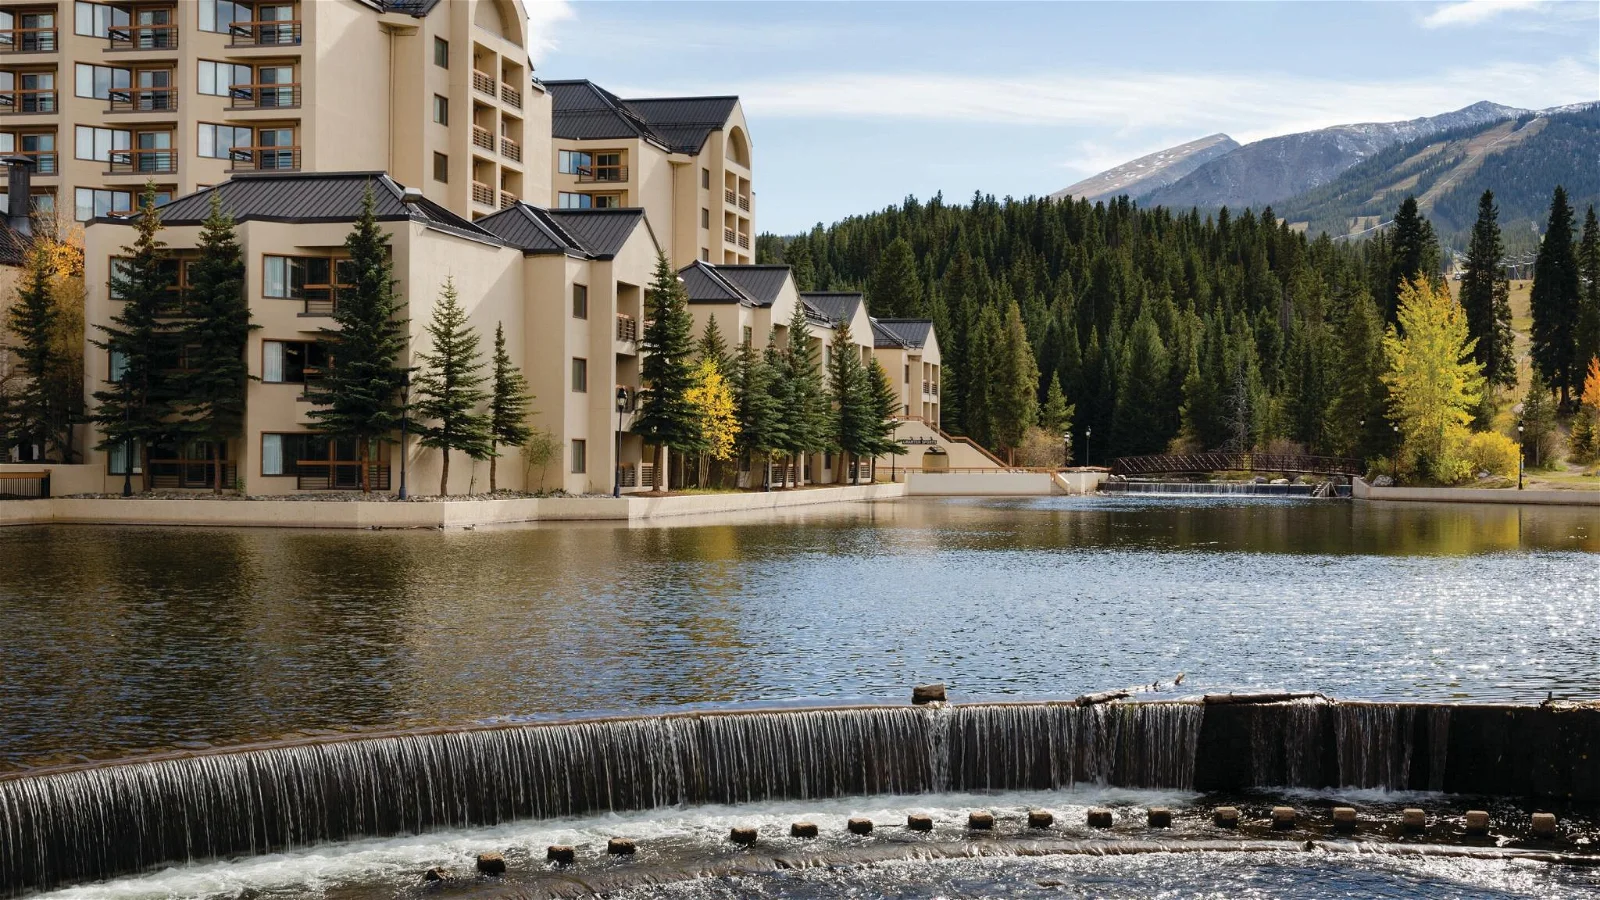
[
  {"x": 762, "y": 283},
  {"x": 835, "y": 306},
  {"x": 589, "y": 233},
  {"x": 912, "y": 333},
  {"x": 585, "y": 111},
  {"x": 705, "y": 284}
]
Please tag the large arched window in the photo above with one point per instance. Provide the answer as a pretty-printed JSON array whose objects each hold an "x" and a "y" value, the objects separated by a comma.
[{"x": 739, "y": 147}]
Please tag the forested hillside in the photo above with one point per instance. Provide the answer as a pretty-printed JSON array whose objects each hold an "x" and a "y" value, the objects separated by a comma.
[{"x": 1233, "y": 330}]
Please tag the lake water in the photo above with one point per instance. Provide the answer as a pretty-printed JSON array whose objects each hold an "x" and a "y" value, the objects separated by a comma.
[{"x": 123, "y": 641}]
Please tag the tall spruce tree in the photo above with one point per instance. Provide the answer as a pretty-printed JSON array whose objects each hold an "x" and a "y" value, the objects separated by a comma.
[
  {"x": 134, "y": 410},
  {"x": 798, "y": 255},
  {"x": 450, "y": 390},
  {"x": 1554, "y": 301},
  {"x": 806, "y": 412},
  {"x": 713, "y": 347},
  {"x": 1480, "y": 280},
  {"x": 895, "y": 289},
  {"x": 1588, "y": 336},
  {"x": 853, "y": 412},
  {"x": 211, "y": 388},
  {"x": 666, "y": 419},
  {"x": 1414, "y": 249},
  {"x": 358, "y": 398},
  {"x": 782, "y": 391},
  {"x": 509, "y": 400},
  {"x": 1055, "y": 414},
  {"x": 1136, "y": 424},
  {"x": 756, "y": 408},
  {"x": 1014, "y": 382},
  {"x": 1359, "y": 393},
  {"x": 885, "y": 413},
  {"x": 978, "y": 413},
  {"x": 40, "y": 413}
]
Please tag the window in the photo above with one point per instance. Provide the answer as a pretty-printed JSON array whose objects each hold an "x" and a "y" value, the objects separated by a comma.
[
  {"x": 705, "y": 255},
  {"x": 607, "y": 201},
  {"x": 218, "y": 141},
  {"x": 908, "y": 373},
  {"x": 705, "y": 217},
  {"x": 98, "y": 143},
  {"x": 90, "y": 203},
  {"x": 441, "y": 53},
  {"x": 216, "y": 79},
  {"x": 441, "y": 168},
  {"x": 99, "y": 81},
  {"x": 117, "y": 366},
  {"x": 580, "y": 456},
  {"x": 175, "y": 273},
  {"x": 705, "y": 179},
  {"x": 580, "y": 376},
  {"x": 568, "y": 162},
  {"x": 217, "y": 15},
  {"x": 580, "y": 301},
  {"x": 441, "y": 109},
  {"x": 304, "y": 277},
  {"x": 746, "y": 336},
  {"x": 292, "y": 362},
  {"x": 97, "y": 19},
  {"x": 565, "y": 200},
  {"x": 285, "y": 454},
  {"x": 117, "y": 459}
]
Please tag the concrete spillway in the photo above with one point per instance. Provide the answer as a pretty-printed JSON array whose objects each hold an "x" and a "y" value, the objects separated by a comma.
[{"x": 94, "y": 822}]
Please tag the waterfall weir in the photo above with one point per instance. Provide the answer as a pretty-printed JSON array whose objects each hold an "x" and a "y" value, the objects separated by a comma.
[{"x": 84, "y": 823}]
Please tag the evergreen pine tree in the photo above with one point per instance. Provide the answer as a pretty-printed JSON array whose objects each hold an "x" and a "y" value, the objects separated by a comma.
[
  {"x": 1480, "y": 281},
  {"x": 132, "y": 412},
  {"x": 978, "y": 415},
  {"x": 1359, "y": 395},
  {"x": 1414, "y": 248},
  {"x": 806, "y": 412},
  {"x": 1014, "y": 376},
  {"x": 895, "y": 289},
  {"x": 666, "y": 419},
  {"x": 712, "y": 346},
  {"x": 782, "y": 391},
  {"x": 1055, "y": 416},
  {"x": 853, "y": 412},
  {"x": 450, "y": 389},
  {"x": 39, "y": 414},
  {"x": 798, "y": 255},
  {"x": 1554, "y": 301},
  {"x": 885, "y": 405},
  {"x": 1136, "y": 427},
  {"x": 1311, "y": 386},
  {"x": 357, "y": 398},
  {"x": 755, "y": 407},
  {"x": 1588, "y": 336},
  {"x": 211, "y": 389},
  {"x": 508, "y": 404},
  {"x": 1538, "y": 424}
]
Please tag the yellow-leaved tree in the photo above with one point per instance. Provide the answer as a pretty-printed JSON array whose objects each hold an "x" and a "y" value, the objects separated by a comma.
[
  {"x": 1434, "y": 383},
  {"x": 712, "y": 401},
  {"x": 1585, "y": 440}
]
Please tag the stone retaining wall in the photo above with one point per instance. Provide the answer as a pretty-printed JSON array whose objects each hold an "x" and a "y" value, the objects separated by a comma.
[{"x": 1364, "y": 491}]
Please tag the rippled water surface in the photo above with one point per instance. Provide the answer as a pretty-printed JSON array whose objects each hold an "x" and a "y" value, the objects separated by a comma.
[{"x": 122, "y": 641}]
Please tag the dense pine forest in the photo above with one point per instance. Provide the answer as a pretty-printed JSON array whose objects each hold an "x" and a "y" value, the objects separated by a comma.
[{"x": 1163, "y": 329}]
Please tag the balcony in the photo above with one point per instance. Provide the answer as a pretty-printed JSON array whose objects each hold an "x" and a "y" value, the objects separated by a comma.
[
  {"x": 729, "y": 236},
  {"x": 28, "y": 40},
  {"x": 511, "y": 96},
  {"x": 264, "y": 96},
  {"x": 507, "y": 199},
  {"x": 602, "y": 174},
  {"x": 482, "y": 194},
  {"x": 142, "y": 37},
  {"x": 483, "y": 138},
  {"x": 744, "y": 242},
  {"x": 627, "y": 328},
  {"x": 28, "y": 102},
  {"x": 265, "y": 34},
  {"x": 44, "y": 161},
  {"x": 744, "y": 203},
  {"x": 734, "y": 199},
  {"x": 264, "y": 159},
  {"x": 142, "y": 162},
  {"x": 323, "y": 475},
  {"x": 484, "y": 83},
  {"x": 510, "y": 149},
  {"x": 160, "y": 99}
]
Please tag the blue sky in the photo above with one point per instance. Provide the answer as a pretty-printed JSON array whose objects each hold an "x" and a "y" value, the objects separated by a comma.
[{"x": 854, "y": 106}]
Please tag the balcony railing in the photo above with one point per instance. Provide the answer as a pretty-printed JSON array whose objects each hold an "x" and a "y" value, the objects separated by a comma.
[
  {"x": 744, "y": 241},
  {"x": 264, "y": 159},
  {"x": 28, "y": 102},
  {"x": 191, "y": 473},
  {"x": 484, "y": 83},
  {"x": 729, "y": 236},
  {"x": 162, "y": 99},
  {"x": 735, "y": 199},
  {"x": 729, "y": 196},
  {"x": 139, "y": 162},
  {"x": 627, "y": 328},
  {"x": 142, "y": 37},
  {"x": 483, "y": 137},
  {"x": 323, "y": 475},
  {"x": 511, "y": 95},
  {"x": 510, "y": 149},
  {"x": 602, "y": 174},
  {"x": 264, "y": 96},
  {"x": 265, "y": 34},
  {"x": 744, "y": 203},
  {"x": 44, "y": 161},
  {"x": 507, "y": 199},
  {"x": 318, "y": 302},
  {"x": 28, "y": 40},
  {"x": 482, "y": 194}
]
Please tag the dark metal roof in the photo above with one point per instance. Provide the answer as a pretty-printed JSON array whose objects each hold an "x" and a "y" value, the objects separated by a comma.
[
  {"x": 312, "y": 197},
  {"x": 910, "y": 333},
  {"x": 14, "y": 245},
  {"x": 836, "y": 306},
  {"x": 588, "y": 233},
  {"x": 705, "y": 284},
  {"x": 585, "y": 111},
  {"x": 762, "y": 283}
]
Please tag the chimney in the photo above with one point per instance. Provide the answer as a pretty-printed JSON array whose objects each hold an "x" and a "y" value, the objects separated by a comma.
[{"x": 19, "y": 202}]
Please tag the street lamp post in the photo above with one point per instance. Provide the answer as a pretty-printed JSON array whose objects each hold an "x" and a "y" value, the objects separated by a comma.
[
  {"x": 127, "y": 437},
  {"x": 616, "y": 476},
  {"x": 405, "y": 421},
  {"x": 1396, "y": 466},
  {"x": 1066, "y": 448},
  {"x": 1088, "y": 430},
  {"x": 1522, "y": 456}
]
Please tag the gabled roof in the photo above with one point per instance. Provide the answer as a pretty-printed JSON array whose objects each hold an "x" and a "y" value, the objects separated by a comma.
[
  {"x": 835, "y": 306},
  {"x": 311, "y": 197},
  {"x": 706, "y": 284},
  {"x": 911, "y": 334},
  {"x": 582, "y": 110},
  {"x": 584, "y": 233},
  {"x": 14, "y": 245},
  {"x": 762, "y": 283}
]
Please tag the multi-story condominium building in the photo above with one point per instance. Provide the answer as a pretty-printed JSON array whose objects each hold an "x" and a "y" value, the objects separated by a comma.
[
  {"x": 105, "y": 97},
  {"x": 908, "y": 350},
  {"x": 684, "y": 160},
  {"x": 567, "y": 285}
]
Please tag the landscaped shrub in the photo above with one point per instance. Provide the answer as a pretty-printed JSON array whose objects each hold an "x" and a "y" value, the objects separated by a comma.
[{"x": 1492, "y": 452}]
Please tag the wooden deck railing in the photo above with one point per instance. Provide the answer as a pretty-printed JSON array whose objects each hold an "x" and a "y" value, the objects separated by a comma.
[
  {"x": 627, "y": 328},
  {"x": 510, "y": 149},
  {"x": 265, "y": 34},
  {"x": 602, "y": 174},
  {"x": 323, "y": 475},
  {"x": 138, "y": 162},
  {"x": 44, "y": 161},
  {"x": 156, "y": 99},
  {"x": 511, "y": 95},
  {"x": 483, "y": 137},
  {"x": 265, "y": 159},
  {"x": 482, "y": 193},
  {"x": 264, "y": 96},
  {"x": 28, "y": 101},
  {"x": 1233, "y": 461},
  {"x": 142, "y": 37},
  {"x": 25, "y": 485},
  {"x": 28, "y": 40},
  {"x": 484, "y": 83}
]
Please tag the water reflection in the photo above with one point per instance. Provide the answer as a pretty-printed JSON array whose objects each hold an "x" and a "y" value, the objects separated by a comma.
[{"x": 122, "y": 641}]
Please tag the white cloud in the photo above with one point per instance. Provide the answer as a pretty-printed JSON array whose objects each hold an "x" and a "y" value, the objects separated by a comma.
[
  {"x": 1473, "y": 12},
  {"x": 543, "y": 17}
]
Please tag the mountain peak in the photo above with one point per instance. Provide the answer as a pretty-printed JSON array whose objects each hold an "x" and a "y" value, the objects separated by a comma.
[{"x": 1152, "y": 171}]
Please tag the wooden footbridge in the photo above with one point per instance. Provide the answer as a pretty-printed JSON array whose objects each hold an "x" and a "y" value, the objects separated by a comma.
[{"x": 1232, "y": 461}]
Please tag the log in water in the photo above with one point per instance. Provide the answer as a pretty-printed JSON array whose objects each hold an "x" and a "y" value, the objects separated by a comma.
[{"x": 95, "y": 822}]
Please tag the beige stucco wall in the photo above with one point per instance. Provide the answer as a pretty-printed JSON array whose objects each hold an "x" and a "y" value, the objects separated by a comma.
[{"x": 980, "y": 484}]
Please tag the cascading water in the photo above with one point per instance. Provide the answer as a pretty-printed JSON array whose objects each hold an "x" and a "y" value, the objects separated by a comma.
[{"x": 1188, "y": 488}]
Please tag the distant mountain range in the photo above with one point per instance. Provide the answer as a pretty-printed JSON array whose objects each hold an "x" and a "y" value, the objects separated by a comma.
[{"x": 1345, "y": 178}]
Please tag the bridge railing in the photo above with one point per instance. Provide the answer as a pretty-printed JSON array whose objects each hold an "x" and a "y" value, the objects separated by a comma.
[{"x": 1231, "y": 461}]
